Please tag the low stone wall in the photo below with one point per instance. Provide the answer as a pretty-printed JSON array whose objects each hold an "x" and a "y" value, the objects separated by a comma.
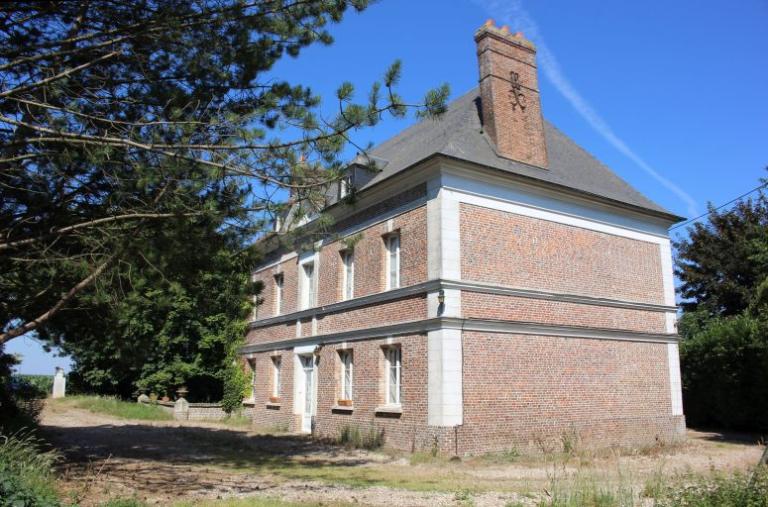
[{"x": 182, "y": 410}]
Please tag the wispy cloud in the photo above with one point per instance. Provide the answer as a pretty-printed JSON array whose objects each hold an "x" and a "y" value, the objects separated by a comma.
[{"x": 512, "y": 13}]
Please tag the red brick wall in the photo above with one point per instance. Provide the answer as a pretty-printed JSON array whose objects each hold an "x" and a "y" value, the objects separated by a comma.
[
  {"x": 493, "y": 306},
  {"x": 369, "y": 264},
  {"x": 520, "y": 388},
  {"x": 370, "y": 258},
  {"x": 284, "y": 331},
  {"x": 273, "y": 417},
  {"x": 537, "y": 254},
  {"x": 289, "y": 270},
  {"x": 407, "y": 431},
  {"x": 399, "y": 310}
]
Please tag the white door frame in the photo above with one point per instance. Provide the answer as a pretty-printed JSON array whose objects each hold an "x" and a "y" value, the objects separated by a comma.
[{"x": 307, "y": 412}]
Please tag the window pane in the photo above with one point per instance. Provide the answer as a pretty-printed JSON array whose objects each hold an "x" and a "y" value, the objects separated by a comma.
[
  {"x": 276, "y": 380},
  {"x": 309, "y": 285},
  {"x": 394, "y": 375},
  {"x": 393, "y": 261},
  {"x": 349, "y": 275},
  {"x": 346, "y": 364}
]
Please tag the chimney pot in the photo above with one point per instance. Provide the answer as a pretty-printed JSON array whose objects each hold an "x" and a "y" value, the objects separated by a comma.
[
  {"x": 489, "y": 22},
  {"x": 505, "y": 29}
]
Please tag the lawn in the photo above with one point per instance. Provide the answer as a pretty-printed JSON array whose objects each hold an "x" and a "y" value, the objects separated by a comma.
[
  {"x": 183, "y": 463},
  {"x": 115, "y": 408}
]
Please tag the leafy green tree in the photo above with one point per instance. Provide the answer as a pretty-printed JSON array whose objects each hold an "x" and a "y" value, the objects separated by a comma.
[
  {"x": 174, "y": 322},
  {"x": 725, "y": 259},
  {"x": 120, "y": 120}
]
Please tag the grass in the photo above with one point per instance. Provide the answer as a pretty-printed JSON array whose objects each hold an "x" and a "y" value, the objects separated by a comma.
[
  {"x": 26, "y": 474},
  {"x": 354, "y": 437},
  {"x": 228, "y": 502},
  {"x": 253, "y": 502},
  {"x": 116, "y": 408},
  {"x": 237, "y": 421}
]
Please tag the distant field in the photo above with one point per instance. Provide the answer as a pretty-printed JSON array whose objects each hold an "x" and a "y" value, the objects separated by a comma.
[{"x": 35, "y": 386}]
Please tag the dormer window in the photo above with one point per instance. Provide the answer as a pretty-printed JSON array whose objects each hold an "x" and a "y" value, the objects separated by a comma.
[{"x": 345, "y": 187}]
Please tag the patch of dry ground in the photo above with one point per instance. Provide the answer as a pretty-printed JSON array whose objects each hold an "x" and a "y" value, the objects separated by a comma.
[{"x": 164, "y": 462}]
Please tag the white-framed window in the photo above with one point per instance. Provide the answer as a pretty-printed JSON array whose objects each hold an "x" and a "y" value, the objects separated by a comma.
[
  {"x": 393, "y": 359},
  {"x": 308, "y": 285},
  {"x": 276, "y": 364},
  {"x": 279, "y": 279},
  {"x": 255, "y": 300},
  {"x": 393, "y": 261},
  {"x": 345, "y": 357},
  {"x": 345, "y": 185},
  {"x": 252, "y": 366},
  {"x": 348, "y": 278}
]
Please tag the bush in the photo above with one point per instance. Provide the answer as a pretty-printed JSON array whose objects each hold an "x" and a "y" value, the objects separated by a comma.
[
  {"x": 26, "y": 475},
  {"x": 351, "y": 436},
  {"x": 724, "y": 368},
  {"x": 235, "y": 385}
]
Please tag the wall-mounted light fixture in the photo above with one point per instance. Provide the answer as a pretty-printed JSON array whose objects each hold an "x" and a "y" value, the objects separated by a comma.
[{"x": 441, "y": 297}]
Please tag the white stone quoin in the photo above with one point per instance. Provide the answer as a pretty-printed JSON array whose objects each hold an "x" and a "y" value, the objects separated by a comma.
[{"x": 59, "y": 383}]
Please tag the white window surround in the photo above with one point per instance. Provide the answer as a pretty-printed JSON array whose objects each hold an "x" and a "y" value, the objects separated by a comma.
[
  {"x": 308, "y": 283},
  {"x": 393, "y": 359},
  {"x": 348, "y": 275},
  {"x": 392, "y": 243},
  {"x": 276, "y": 366},
  {"x": 347, "y": 370}
]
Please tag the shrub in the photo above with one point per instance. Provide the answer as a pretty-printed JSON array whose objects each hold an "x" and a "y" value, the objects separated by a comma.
[
  {"x": 235, "y": 385},
  {"x": 723, "y": 367},
  {"x": 351, "y": 436},
  {"x": 26, "y": 475}
]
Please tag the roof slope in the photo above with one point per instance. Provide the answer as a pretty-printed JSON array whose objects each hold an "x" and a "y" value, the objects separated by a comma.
[{"x": 458, "y": 133}]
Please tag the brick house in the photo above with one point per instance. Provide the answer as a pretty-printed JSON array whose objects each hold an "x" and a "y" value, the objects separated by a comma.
[{"x": 503, "y": 288}]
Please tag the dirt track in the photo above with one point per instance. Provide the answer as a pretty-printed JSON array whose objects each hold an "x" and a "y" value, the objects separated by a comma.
[{"x": 163, "y": 462}]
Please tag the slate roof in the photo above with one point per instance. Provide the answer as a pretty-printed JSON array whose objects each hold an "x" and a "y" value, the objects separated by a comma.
[{"x": 458, "y": 134}]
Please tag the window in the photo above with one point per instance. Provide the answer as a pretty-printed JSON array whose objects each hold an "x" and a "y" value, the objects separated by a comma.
[
  {"x": 255, "y": 299},
  {"x": 345, "y": 185},
  {"x": 346, "y": 374},
  {"x": 308, "y": 285},
  {"x": 278, "y": 293},
  {"x": 348, "y": 280},
  {"x": 393, "y": 261},
  {"x": 276, "y": 377},
  {"x": 393, "y": 357},
  {"x": 252, "y": 365}
]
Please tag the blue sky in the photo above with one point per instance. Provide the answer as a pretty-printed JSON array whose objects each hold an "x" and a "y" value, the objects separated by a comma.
[{"x": 674, "y": 88}]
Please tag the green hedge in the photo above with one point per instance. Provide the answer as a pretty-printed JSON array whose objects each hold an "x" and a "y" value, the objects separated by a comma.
[{"x": 725, "y": 374}]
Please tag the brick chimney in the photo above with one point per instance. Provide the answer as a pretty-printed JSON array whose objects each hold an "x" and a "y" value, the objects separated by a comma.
[{"x": 509, "y": 91}]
